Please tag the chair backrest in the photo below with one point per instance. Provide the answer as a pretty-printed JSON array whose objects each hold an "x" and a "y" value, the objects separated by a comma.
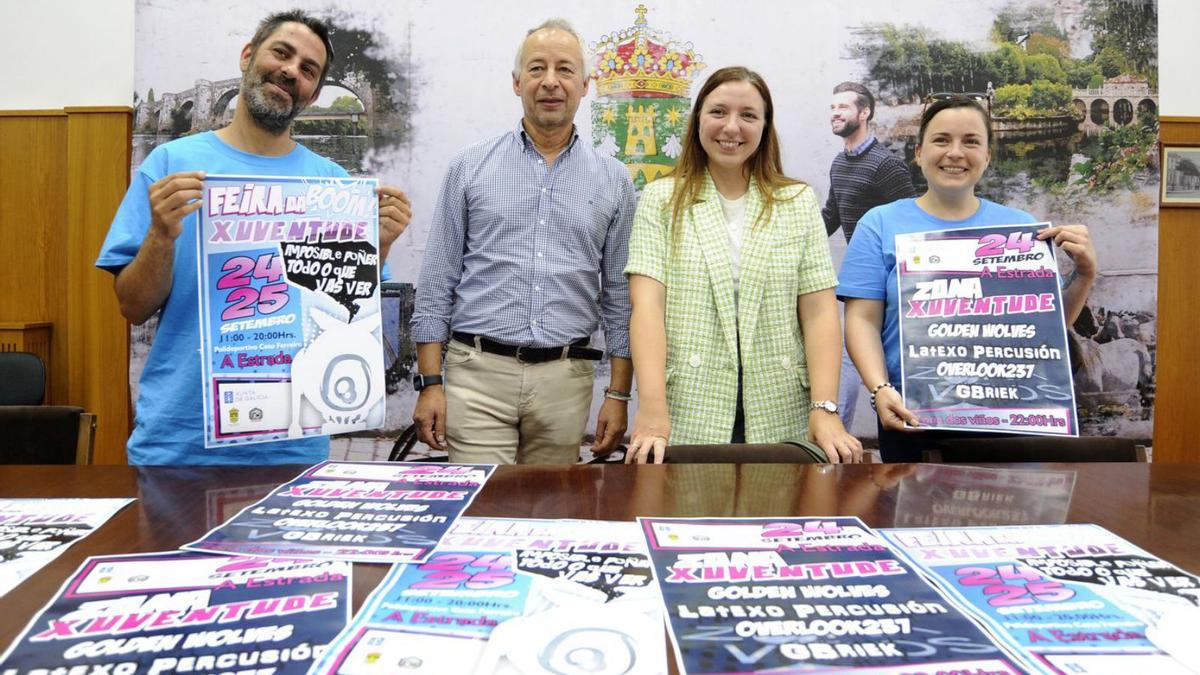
[
  {"x": 46, "y": 434},
  {"x": 792, "y": 452},
  {"x": 22, "y": 379},
  {"x": 1036, "y": 449}
]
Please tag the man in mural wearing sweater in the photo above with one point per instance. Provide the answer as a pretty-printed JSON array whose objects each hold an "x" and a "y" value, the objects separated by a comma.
[{"x": 863, "y": 176}]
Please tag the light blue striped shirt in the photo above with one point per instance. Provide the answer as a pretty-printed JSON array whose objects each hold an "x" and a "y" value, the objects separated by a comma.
[{"x": 525, "y": 253}]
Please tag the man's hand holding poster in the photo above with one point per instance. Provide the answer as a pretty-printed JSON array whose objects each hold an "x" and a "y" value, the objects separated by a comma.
[
  {"x": 289, "y": 308},
  {"x": 983, "y": 342}
]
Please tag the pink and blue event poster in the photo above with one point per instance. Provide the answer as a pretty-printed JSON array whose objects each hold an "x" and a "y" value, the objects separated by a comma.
[
  {"x": 290, "y": 324},
  {"x": 186, "y": 613},
  {"x": 983, "y": 345}
]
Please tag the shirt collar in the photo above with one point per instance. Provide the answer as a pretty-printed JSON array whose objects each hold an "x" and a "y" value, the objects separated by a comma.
[
  {"x": 861, "y": 147},
  {"x": 529, "y": 146}
]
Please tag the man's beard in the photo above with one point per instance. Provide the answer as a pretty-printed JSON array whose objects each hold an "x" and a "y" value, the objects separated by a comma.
[
  {"x": 269, "y": 113},
  {"x": 848, "y": 128}
]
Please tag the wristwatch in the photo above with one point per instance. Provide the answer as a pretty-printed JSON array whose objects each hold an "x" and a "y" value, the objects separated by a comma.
[
  {"x": 830, "y": 407},
  {"x": 421, "y": 381}
]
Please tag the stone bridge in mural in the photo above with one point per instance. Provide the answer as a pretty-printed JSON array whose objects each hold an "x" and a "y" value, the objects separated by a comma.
[
  {"x": 206, "y": 106},
  {"x": 1117, "y": 103}
]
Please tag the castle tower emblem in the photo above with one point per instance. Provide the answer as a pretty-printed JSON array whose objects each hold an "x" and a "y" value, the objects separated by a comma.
[{"x": 643, "y": 82}]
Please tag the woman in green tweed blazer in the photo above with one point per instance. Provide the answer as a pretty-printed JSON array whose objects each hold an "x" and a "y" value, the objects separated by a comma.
[{"x": 735, "y": 326}]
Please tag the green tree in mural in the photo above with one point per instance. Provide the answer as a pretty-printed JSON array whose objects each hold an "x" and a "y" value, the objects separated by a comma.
[
  {"x": 1039, "y": 43},
  {"x": 1127, "y": 27},
  {"x": 341, "y": 105},
  {"x": 1081, "y": 73},
  {"x": 1044, "y": 67},
  {"x": 1008, "y": 61},
  {"x": 1110, "y": 61},
  {"x": 1013, "y": 22},
  {"x": 345, "y": 104}
]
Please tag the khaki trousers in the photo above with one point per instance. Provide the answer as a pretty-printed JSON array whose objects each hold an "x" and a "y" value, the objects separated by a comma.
[{"x": 502, "y": 411}]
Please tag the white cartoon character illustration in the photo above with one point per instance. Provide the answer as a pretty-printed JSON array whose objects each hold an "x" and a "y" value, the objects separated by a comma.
[{"x": 337, "y": 379}]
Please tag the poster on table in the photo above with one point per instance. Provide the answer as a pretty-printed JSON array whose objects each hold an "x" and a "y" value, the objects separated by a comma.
[
  {"x": 1076, "y": 598},
  {"x": 983, "y": 346},
  {"x": 814, "y": 594},
  {"x": 35, "y": 531},
  {"x": 515, "y": 597},
  {"x": 376, "y": 512},
  {"x": 946, "y": 495},
  {"x": 290, "y": 329},
  {"x": 177, "y": 612}
]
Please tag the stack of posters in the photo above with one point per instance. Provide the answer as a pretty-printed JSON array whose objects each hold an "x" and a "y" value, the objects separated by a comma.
[
  {"x": 807, "y": 594},
  {"x": 513, "y": 597},
  {"x": 35, "y": 531},
  {"x": 290, "y": 324},
  {"x": 983, "y": 346},
  {"x": 178, "y": 612},
  {"x": 1073, "y": 598},
  {"x": 387, "y": 512}
]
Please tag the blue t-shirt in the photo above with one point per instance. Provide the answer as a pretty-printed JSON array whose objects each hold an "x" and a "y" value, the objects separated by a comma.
[
  {"x": 869, "y": 268},
  {"x": 169, "y": 425}
]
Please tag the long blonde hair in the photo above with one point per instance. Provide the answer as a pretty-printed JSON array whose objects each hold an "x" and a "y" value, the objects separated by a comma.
[{"x": 765, "y": 166}]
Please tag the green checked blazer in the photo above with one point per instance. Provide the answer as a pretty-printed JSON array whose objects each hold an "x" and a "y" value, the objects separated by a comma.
[{"x": 781, "y": 260}]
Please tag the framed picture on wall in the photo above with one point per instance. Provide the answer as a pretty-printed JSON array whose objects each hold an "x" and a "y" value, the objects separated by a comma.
[{"x": 1181, "y": 175}]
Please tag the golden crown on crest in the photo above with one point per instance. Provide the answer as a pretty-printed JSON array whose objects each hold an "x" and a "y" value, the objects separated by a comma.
[{"x": 642, "y": 61}]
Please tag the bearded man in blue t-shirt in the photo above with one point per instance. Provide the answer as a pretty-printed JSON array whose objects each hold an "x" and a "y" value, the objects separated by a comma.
[{"x": 151, "y": 245}]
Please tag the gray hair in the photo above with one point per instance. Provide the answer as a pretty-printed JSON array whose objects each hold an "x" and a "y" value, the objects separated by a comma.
[{"x": 554, "y": 23}]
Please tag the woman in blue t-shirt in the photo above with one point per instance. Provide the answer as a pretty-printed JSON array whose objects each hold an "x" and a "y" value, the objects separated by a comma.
[{"x": 952, "y": 151}]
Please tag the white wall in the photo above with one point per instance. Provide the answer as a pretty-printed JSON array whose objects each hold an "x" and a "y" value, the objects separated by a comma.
[
  {"x": 60, "y": 53},
  {"x": 1178, "y": 80}
]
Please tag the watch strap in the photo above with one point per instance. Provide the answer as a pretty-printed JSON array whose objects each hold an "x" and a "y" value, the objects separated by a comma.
[{"x": 421, "y": 381}]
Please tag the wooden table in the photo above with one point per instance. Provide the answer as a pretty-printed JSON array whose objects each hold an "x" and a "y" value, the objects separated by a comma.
[{"x": 1156, "y": 506}]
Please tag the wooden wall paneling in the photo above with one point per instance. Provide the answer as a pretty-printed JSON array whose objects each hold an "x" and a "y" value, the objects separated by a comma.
[
  {"x": 1177, "y": 366},
  {"x": 97, "y": 337},
  {"x": 32, "y": 211}
]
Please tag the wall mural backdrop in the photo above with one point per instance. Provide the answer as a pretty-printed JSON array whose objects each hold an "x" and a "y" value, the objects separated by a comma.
[{"x": 1073, "y": 86}]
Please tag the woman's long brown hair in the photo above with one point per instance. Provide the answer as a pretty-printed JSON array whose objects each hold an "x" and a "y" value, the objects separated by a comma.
[{"x": 764, "y": 166}]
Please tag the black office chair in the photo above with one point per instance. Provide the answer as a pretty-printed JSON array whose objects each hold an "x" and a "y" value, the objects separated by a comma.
[
  {"x": 46, "y": 434},
  {"x": 790, "y": 452},
  {"x": 1035, "y": 449},
  {"x": 22, "y": 379}
]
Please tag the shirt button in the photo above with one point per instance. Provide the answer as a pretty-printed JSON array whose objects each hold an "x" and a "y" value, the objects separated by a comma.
[
  {"x": 694, "y": 361},
  {"x": 543, "y": 189},
  {"x": 539, "y": 254},
  {"x": 537, "y": 288},
  {"x": 787, "y": 363},
  {"x": 533, "y": 323},
  {"x": 541, "y": 222}
]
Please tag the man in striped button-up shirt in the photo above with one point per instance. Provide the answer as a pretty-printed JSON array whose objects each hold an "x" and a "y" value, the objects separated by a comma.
[{"x": 527, "y": 248}]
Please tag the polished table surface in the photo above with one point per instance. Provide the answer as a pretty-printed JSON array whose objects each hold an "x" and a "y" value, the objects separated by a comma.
[{"x": 1156, "y": 506}]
